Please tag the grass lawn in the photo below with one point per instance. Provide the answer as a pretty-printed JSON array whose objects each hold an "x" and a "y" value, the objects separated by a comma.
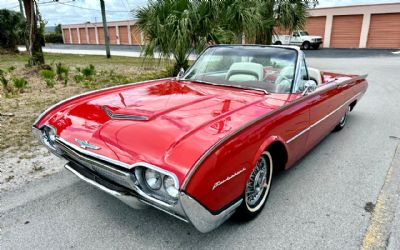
[{"x": 19, "y": 107}]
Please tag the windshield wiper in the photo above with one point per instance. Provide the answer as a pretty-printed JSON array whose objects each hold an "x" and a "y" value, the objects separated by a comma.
[{"x": 225, "y": 85}]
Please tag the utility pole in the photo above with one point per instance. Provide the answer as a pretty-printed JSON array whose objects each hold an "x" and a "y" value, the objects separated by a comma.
[{"x": 105, "y": 28}]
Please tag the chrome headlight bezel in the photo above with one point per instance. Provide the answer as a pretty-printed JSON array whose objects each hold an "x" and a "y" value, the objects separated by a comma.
[
  {"x": 161, "y": 193},
  {"x": 47, "y": 135}
]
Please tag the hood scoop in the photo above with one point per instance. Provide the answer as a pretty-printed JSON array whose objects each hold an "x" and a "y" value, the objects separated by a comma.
[{"x": 117, "y": 116}]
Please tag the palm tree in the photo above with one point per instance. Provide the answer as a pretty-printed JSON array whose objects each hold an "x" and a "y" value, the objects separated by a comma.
[
  {"x": 167, "y": 25},
  {"x": 179, "y": 27},
  {"x": 240, "y": 16},
  {"x": 283, "y": 14}
]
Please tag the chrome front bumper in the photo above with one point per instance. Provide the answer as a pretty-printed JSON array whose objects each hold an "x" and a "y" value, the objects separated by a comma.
[{"x": 187, "y": 209}]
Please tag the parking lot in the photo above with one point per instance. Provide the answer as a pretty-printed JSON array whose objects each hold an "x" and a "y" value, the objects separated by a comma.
[{"x": 325, "y": 201}]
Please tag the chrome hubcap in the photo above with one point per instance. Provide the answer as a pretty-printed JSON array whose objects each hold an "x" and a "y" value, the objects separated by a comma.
[
  {"x": 344, "y": 118},
  {"x": 257, "y": 183}
]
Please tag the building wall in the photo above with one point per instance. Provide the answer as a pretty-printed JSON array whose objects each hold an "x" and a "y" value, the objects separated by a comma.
[
  {"x": 359, "y": 26},
  {"x": 374, "y": 26},
  {"x": 121, "y": 32}
]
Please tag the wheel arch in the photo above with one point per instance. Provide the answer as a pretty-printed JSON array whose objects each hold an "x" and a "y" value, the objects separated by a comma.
[
  {"x": 277, "y": 148},
  {"x": 352, "y": 105}
]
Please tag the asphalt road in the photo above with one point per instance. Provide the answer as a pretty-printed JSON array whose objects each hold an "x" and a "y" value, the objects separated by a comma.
[{"x": 318, "y": 204}]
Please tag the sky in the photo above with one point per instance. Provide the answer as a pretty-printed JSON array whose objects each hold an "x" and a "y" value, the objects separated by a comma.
[{"x": 80, "y": 11}]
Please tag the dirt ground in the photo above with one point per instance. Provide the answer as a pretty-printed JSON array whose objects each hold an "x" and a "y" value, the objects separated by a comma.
[{"x": 21, "y": 157}]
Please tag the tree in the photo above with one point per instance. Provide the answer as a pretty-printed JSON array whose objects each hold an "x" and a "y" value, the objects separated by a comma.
[
  {"x": 34, "y": 37},
  {"x": 284, "y": 14},
  {"x": 179, "y": 27},
  {"x": 166, "y": 25},
  {"x": 12, "y": 25}
]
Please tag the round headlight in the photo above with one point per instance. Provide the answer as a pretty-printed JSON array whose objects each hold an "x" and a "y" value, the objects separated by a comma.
[
  {"x": 153, "y": 179},
  {"x": 169, "y": 185},
  {"x": 51, "y": 135}
]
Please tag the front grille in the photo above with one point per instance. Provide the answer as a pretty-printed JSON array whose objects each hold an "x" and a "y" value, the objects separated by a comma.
[{"x": 100, "y": 167}]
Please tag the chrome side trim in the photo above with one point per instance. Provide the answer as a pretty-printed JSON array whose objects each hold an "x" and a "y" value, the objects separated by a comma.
[
  {"x": 322, "y": 119},
  {"x": 91, "y": 92},
  {"x": 201, "y": 218},
  {"x": 229, "y": 136},
  {"x": 298, "y": 135}
]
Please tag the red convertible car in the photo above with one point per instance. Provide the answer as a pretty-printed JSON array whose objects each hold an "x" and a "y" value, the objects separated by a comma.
[{"x": 204, "y": 145}]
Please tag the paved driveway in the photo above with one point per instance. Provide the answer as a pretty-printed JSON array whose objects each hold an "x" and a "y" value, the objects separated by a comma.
[{"x": 324, "y": 202}]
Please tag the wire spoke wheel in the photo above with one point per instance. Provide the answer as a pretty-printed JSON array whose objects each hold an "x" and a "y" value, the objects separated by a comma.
[
  {"x": 258, "y": 185},
  {"x": 344, "y": 118}
]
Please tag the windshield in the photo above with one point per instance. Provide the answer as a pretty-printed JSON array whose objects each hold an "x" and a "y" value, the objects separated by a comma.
[
  {"x": 254, "y": 67},
  {"x": 303, "y": 33}
]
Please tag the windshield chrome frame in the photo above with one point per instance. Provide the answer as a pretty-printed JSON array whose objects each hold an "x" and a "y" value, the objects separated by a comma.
[
  {"x": 297, "y": 76},
  {"x": 297, "y": 73}
]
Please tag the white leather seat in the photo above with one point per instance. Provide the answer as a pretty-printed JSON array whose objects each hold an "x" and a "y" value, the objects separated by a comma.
[
  {"x": 315, "y": 75},
  {"x": 245, "y": 71}
]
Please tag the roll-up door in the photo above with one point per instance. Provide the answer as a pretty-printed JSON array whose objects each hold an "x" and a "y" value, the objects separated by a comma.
[
  {"x": 384, "y": 31},
  {"x": 346, "y": 31}
]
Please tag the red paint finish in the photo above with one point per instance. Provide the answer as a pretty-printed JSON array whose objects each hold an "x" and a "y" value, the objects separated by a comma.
[{"x": 185, "y": 119}]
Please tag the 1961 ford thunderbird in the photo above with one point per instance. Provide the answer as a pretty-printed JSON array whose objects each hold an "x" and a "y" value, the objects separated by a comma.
[{"x": 204, "y": 145}]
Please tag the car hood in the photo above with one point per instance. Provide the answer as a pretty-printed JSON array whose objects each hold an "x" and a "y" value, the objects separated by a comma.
[{"x": 167, "y": 123}]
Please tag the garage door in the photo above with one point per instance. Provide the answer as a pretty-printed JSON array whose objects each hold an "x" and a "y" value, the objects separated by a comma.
[
  {"x": 74, "y": 34},
  {"x": 384, "y": 31},
  {"x": 123, "y": 35},
  {"x": 82, "y": 35},
  {"x": 100, "y": 33},
  {"x": 66, "y": 36},
  {"x": 92, "y": 35},
  {"x": 346, "y": 31},
  {"x": 112, "y": 34},
  {"x": 135, "y": 35},
  {"x": 315, "y": 26}
]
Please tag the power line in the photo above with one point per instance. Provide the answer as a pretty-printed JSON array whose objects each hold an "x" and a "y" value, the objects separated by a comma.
[{"x": 84, "y": 8}]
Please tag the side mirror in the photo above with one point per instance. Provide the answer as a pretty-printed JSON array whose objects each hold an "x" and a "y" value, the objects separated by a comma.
[
  {"x": 180, "y": 74},
  {"x": 309, "y": 86}
]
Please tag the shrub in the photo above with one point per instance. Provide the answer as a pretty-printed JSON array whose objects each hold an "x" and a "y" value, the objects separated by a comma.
[
  {"x": 78, "y": 78},
  {"x": 53, "y": 38},
  {"x": 61, "y": 69},
  {"x": 4, "y": 81},
  {"x": 62, "y": 73},
  {"x": 50, "y": 83},
  {"x": 11, "y": 69},
  {"x": 20, "y": 83},
  {"x": 47, "y": 74},
  {"x": 88, "y": 71}
]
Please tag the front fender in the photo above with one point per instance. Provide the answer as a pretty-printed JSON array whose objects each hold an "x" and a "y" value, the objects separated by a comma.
[{"x": 221, "y": 178}]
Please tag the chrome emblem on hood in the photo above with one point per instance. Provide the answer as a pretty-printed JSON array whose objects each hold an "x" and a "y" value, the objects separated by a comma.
[{"x": 85, "y": 145}]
